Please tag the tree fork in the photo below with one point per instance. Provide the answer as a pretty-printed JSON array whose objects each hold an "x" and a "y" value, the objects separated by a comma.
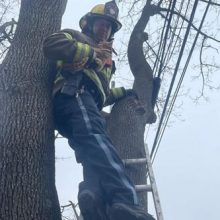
[{"x": 27, "y": 158}]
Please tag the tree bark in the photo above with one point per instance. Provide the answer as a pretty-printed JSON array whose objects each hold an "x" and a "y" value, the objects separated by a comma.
[
  {"x": 126, "y": 129},
  {"x": 27, "y": 158}
]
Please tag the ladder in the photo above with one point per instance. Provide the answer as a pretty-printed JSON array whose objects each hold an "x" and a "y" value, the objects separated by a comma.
[{"x": 152, "y": 187}]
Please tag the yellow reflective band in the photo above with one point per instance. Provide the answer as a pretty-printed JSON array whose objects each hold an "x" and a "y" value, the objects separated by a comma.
[
  {"x": 117, "y": 92},
  {"x": 87, "y": 50},
  {"x": 78, "y": 52},
  {"x": 93, "y": 76},
  {"x": 107, "y": 73},
  {"x": 82, "y": 51},
  {"x": 68, "y": 36}
]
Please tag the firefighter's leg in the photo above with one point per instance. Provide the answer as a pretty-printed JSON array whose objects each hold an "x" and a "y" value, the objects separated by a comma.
[
  {"x": 99, "y": 153},
  {"x": 89, "y": 137},
  {"x": 90, "y": 196},
  {"x": 102, "y": 157}
]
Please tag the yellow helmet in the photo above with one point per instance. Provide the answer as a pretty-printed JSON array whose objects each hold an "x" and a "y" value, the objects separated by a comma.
[{"x": 108, "y": 11}]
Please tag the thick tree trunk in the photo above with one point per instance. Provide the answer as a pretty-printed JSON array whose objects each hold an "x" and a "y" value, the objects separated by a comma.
[{"x": 27, "y": 164}]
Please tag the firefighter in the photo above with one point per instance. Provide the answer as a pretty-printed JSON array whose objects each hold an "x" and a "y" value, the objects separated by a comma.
[{"x": 84, "y": 69}]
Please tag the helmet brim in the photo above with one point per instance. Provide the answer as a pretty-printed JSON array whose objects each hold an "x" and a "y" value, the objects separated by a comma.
[{"x": 116, "y": 25}]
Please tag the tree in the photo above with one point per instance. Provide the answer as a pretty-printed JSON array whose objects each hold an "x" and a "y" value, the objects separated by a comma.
[{"x": 27, "y": 174}]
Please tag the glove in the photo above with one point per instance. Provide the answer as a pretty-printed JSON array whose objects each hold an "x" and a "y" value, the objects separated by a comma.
[
  {"x": 104, "y": 50},
  {"x": 103, "y": 55}
]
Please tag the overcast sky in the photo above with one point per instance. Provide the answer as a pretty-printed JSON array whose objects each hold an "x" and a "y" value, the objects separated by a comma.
[{"x": 187, "y": 164}]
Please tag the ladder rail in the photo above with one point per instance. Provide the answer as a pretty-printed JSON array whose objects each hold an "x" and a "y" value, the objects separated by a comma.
[
  {"x": 155, "y": 193},
  {"x": 148, "y": 188}
]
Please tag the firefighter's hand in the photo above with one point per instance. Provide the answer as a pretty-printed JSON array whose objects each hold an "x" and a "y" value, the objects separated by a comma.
[
  {"x": 106, "y": 45},
  {"x": 76, "y": 66},
  {"x": 103, "y": 53}
]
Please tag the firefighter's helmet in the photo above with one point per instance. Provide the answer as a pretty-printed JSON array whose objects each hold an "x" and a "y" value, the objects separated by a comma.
[{"x": 108, "y": 11}]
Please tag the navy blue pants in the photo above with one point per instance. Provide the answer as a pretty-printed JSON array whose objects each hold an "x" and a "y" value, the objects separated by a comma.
[{"x": 79, "y": 120}]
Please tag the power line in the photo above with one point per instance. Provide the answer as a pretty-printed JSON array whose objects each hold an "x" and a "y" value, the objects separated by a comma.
[
  {"x": 174, "y": 76},
  {"x": 168, "y": 53},
  {"x": 182, "y": 77},
  {"x": 158, "y": 60},
  {"x": 165, "y": 38}
]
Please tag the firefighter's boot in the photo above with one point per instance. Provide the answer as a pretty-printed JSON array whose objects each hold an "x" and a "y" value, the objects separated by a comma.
[
  {"x": 91, "y": 203},
  {"x": 120, "y": 211}
]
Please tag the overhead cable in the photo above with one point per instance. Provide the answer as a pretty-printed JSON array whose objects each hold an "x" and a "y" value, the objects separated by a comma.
[
  {"x": 162, "y": 38},
  {"x": 169, "y": 55},
  {"x": 165, "y": 37},
  {"x": 174, "y": 76},
  {"x": 182, "y": 77}
]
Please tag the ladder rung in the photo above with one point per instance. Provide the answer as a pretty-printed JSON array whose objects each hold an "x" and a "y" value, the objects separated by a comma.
[
  {"x": 135, "y": 161},
  {"x": 141, "y": 188}
]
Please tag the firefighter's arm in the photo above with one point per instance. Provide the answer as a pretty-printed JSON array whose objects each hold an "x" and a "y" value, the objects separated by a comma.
[
  {"x": 119, "y": 93},
  {"x": 62, "y": 46}
]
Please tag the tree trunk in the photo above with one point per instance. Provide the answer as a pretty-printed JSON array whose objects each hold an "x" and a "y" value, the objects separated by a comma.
[
  {"x": 126, "y": 129},
  {"x": 27, "y": 164}
]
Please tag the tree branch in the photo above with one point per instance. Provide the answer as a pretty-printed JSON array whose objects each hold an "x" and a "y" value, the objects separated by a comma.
[
  {"x": 7, "y": 24},
  {"x": 140, "y": 68},
  {"x": 201, "y": 65},
  {"x": 3, "y": 30}
]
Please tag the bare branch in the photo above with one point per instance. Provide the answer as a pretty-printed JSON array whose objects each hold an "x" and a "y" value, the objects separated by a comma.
[
  {"x": 73, "y": 207},
  {"x": 3, "y": 33},
  {"x": 201, "y": 66}
]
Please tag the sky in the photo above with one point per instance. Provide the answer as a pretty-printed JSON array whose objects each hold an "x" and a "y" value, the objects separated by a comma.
[{"x": 187, "y": 164}]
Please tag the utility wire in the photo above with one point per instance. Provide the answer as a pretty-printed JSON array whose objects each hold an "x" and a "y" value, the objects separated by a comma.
[
  {"x": 174, "y": 76},
  {"x": 158, "y": 60},
  {"x": 169, "y": 54},
  {"x": 182, "y": 77},
  {"x": 171, "y": 38},
  {"x": 165, "y": 37},
  {"x": 178, "y": 34}
]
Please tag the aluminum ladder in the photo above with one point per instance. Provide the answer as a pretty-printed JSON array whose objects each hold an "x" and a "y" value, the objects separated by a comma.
[{"x": 152, "y": 187}]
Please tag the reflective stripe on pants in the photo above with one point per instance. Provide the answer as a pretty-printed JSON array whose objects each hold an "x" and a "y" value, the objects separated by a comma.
[{"x": 81, "y": 122}]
